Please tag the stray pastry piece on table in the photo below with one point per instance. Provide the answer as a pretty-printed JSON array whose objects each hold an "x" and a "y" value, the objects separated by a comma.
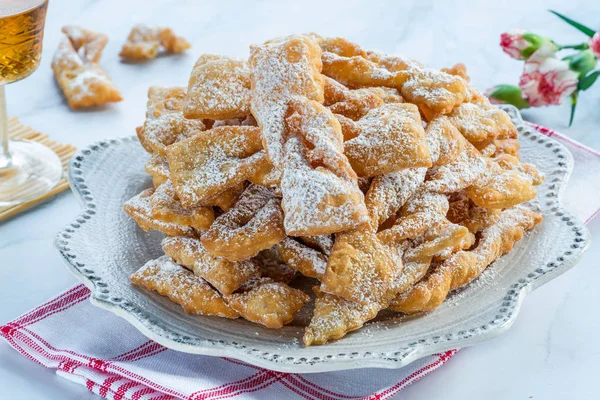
[
  {"x": 77, "y": 70},
  {"x": 385, "y": 184},
  {"x": 144, "y": 42}
]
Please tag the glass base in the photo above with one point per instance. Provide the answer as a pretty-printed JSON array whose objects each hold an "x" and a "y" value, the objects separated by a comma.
[{"x": 32, "y": 171}]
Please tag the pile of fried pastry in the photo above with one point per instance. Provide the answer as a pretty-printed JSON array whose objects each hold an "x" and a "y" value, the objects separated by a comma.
[{"x": 388, "y": 184}]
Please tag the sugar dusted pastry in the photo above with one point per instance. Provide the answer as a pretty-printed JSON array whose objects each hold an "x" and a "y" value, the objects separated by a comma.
[
  {"x": 183, "y": 287},
  {"x": 391, "y": 138},
  {"x": 218, "y": 88},
  {"x": 302, "y": 258},
  {"x": 139, "y": 208},
  {"x": 253, "y": 224},
  {"x": 157, "y": 167},
  {"x": 165, "y": 124},
  {"x": 225, "y": 276},
  {"x": 210, "y": 162},
  {"x": 77, "y": 72},
  {"x": 272, "y": 304},
  {"x": 144, "y": 42},
  {"x": 167, "y": 208},
  {"x": 281, "y": 70}
]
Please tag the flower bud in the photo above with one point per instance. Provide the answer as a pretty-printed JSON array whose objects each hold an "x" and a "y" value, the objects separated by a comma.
[
  {"x": 581, "y": 62},
  {"x": 507, "y": 94},
  {"x": 520, "y": 44}
]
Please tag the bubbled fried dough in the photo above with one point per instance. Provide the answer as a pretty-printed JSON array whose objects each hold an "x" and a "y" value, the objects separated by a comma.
[
  {"x": 77, "y": 71},
  {"x": 210, "y": 162},
  {"x": 391, "y": 138},
  {"x": 144, "y": 42},
  {"x": 139, "y": 208},
  {"x": 253, "y": 224},
  {"x": 190, "y": 291},
  {"x": 165, "y": 123},
  {"x": 218, "y": 88},
  {"x": 272, "y": 304},
  {"x": 167, "y": 208},
  {"x": 226, "y": 276}
]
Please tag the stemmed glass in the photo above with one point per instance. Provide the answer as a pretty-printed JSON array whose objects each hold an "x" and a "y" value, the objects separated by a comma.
[{"x": 27, "y": 169}]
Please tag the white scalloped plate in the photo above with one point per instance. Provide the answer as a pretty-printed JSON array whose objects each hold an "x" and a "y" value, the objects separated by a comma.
[{"x": 103, "y": 247}]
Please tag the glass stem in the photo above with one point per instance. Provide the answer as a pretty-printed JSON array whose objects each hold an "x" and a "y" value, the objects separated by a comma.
[{"x": 5, "y": 159}]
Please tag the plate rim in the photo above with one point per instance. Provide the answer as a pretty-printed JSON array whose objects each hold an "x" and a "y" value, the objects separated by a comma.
[{"x": 341, "y": 361}]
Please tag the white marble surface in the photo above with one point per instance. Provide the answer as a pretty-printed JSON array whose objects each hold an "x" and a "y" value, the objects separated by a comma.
[{"x": 551, "y": 351}]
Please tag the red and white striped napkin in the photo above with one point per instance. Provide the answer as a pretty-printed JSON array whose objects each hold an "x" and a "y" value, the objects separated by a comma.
[{"x": 114, "y": 360}]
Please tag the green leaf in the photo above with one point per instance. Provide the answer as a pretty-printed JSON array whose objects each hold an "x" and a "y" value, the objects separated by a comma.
[
  {"x": 587, "y": 81},
  {"x": 573, "y": 106},
  {"x": 588, "y": 31}
]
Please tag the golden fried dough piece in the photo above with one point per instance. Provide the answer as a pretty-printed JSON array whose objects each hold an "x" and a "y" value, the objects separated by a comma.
[
  {"x": 464, "y": 266},
  {"x": 353, "y": 104},
  {"x": 77, "y": 72},
  {"x": 481, "y": 121},
  {"x": 360, "y": 267},
  {"x": 226, "y": 276},
  {"x": 144, "y": 42},
  {"x": 501, "y": 188},
  {"x": 391, "y": 138},
  {"x": 208, "y": 163},
  {"x": 253, "y": 224},
  {"x": 422, "y": 211},
  {"x": 218, "y": 88},
  {"x": 511, "y": 162},
  {"x": 465, "y": 212},
  {"x": 157, "y": 167},
  {"x": 443, "y": 140},
  {"x": 167, "y": 208},
  {"x": 165, "y": 123},
  {"x": 272, "y": 266},
  {"x": 266, "y": 175},
  {"x": 467, "y": 168},
  {"x": 139, "y": 208},
  {"x": 458, "y": 70},
  {"x": 304, "y": 259},
  {"x": 443, "y": 238},
  {"x": 388, "y": 193},
  {"x": 272, "y": 304},
  {"x": 281, "y": 70},
  {"x": 320, "y": 189},
  {"x": 350, "y": 128},
  {"x": 334, "y": 317},
  {"x": 432, "y": 90},
  {"x": 183, "y": 287}
]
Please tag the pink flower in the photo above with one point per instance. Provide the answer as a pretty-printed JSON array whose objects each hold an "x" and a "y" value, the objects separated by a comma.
[
  {"x": 513, "y": 43},
  {"x": 595, "y": 44},
  {"x": 546, "y": 80}
]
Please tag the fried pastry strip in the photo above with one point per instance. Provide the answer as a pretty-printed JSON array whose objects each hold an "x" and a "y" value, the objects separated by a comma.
[
  {"x": 218, "y": 88},
  {"x": 272, "y": 304},
  {"x": 210, "y": 162},
  {"x": 77, "y": 72},
  {"x": 167, "y": 208},
  {"x": 165, "y": 123},
  {"x": 273, "y": 266},
  {"x": 319, "y": 187},
  {"x": 183, "y": 287},
  {"x": 464, "y": 266},
  {"x": 226, "y": 276},
  {"x": 391, "y": 138},
  {"x": 157, "y": 167},
  {"x": 139, "y": 208},
  {"x": 253, "y": 224},
  {"x": 281, "y": 70},
  {"x": 144, "y": 42},
  {"x": 308, "y": 261}
]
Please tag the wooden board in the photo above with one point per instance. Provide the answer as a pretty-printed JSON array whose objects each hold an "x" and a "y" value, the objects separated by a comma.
[{"x": 16, "y": 130}]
